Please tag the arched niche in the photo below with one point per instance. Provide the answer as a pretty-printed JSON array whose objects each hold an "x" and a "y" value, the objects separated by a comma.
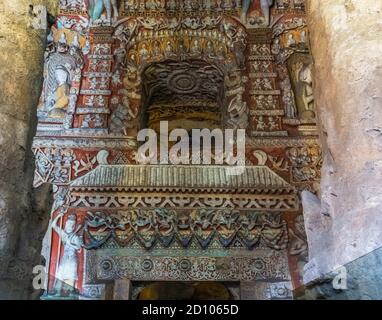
[
  {"x": 187, "y": 94},
  {"x": 184, "y": 61}
]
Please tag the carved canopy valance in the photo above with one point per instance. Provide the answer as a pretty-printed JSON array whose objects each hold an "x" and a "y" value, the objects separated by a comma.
[{"x": 255, "y": 179}]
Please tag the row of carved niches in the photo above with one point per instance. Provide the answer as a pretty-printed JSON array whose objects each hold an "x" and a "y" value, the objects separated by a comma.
[{"x": 138, "y": 7}]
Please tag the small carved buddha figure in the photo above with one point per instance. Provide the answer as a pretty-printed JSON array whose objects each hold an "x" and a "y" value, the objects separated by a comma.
[
  {"x": 260, "y": 102},
  {"x": 144, "y": 53},
  {"x": 257, "y": 84},
  {"x": 221, "y": 52},
  {"x": 59, "y": 100},
  {"x": 270, "y": 102},
  {"x": 255, "y": 66},
  {"x": 282, "y": 4},
  {"x": 291, "y": 42},
  {"x": 182, "y": 50},
  {"x": 210, "y": 50},
  {"x": 276, "y": 47},
  {"x": 156, "y": 49},
  {"x": 261, "y": 126},
  {"x": 169, "y": 51},
  {"x": 195, "y": 48},
  {"x": 130, "y": 5},
  {"x": 264, "y": 50},
  {"x": 151, "y": 5}
]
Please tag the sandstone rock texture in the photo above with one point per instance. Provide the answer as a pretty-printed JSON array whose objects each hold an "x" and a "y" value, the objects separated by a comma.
[
  {"x": 362, "y": 281},
  {"x": 22, "y": 210},
  {"x": 346, "y": 43}
]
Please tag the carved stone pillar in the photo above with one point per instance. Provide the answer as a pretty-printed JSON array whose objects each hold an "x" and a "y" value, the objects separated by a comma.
[{"x": 347, "y": 50}]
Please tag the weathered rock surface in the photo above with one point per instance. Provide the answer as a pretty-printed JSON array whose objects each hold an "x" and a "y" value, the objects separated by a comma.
[
  {"x": 21, "y": 219},
  {"x": 346, "y": 42},
  {"x": 360, "y": 279}
]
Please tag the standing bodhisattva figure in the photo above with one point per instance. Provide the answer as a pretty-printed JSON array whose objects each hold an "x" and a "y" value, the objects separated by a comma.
[
  {"x": 67, "y": 272},
  {"x": 96, "y": 7}
]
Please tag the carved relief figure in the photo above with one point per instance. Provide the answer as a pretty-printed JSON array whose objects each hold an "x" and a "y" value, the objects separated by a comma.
[
  {"x": 111, "y": 9},
  {"x": 245, "y": 8},
  {"x": 62, "y": 76},
  {"x": 238, "y": 113},
  {"x": 66, "y": 273},
  {"x": 288, "y": 99},
  {"x": 210, "y": 51},
  {"x": 169, "y": 51},
  {"x": 96, "y": 8},
  {"x": 195, "y": 48},
  {"x": 144, "y": 53},
  {"x": 59, "y": 99},
  {"x": 300, "y": 70},
  {"x": 265, "y": 8},
  {"x": 305, "y": 76},
  {"x": 239, "y": 45}
]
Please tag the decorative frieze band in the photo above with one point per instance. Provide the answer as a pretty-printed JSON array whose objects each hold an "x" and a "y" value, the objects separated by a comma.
[{"x": 118, "y": 201}]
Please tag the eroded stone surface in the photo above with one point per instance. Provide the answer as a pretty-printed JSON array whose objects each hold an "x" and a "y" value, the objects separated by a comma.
[
  {"x": 346, "y": 45},
  {"x": 21, "y": 61},
  {"x": 360, "y": 279}
]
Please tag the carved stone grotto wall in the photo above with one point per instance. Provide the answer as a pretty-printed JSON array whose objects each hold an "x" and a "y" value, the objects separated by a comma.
[
  {"x": 346, "y": 45},
  {"x": 233, "y": 64}
]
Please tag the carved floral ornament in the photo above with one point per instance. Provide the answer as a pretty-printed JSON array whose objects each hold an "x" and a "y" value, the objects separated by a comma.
[{"x": 176, "y": 268}]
